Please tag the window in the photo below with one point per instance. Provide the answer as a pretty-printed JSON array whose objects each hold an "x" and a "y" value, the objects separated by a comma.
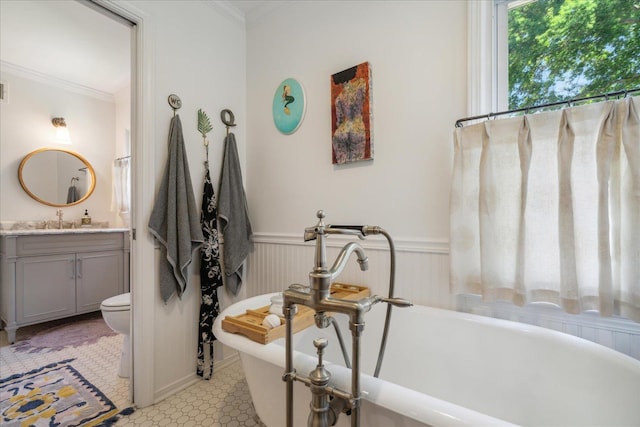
[{"x": 549, "y": 50}]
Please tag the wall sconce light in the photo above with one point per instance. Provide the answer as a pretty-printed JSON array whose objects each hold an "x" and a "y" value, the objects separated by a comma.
[{"x": 62, "y": 132}]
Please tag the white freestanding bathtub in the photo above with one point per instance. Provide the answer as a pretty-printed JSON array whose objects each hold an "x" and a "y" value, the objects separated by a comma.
[{"x": 444, "y": 368}]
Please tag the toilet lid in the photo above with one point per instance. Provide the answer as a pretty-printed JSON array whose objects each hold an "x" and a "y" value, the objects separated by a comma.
[{"x": 122, "y": 300}]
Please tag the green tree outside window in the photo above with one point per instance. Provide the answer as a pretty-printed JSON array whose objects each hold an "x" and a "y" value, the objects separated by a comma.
[{"x": 563, "y": 49}]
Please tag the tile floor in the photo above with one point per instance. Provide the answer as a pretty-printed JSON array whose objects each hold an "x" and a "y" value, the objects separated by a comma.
[{"x": 223, "y": 401}]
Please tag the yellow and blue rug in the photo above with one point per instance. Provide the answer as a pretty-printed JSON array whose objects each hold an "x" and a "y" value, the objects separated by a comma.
[{"x": 55, "y": 395}]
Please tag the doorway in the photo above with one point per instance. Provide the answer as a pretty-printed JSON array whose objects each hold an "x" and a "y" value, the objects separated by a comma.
[{"x": 72, "y": 46}]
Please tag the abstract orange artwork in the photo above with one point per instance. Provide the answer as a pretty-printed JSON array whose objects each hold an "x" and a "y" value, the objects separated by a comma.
[{"x": 351, "y": 116}]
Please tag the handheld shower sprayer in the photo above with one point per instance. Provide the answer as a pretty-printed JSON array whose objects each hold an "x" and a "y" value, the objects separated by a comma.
[{"x": 362, "y": 231}]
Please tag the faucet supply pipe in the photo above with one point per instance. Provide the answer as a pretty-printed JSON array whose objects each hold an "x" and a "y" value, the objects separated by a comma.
[
  {"x": 362, "y": 231},
  {"x": 356, "y": 333},
  {"x": 289, "y": 311},
  {"x": 334, "y": 322}
]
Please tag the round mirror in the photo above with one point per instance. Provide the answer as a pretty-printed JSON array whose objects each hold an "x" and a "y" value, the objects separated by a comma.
[{"x": 57, "y": 177}]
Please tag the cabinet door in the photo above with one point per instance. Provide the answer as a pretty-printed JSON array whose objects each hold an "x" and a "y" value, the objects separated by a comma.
[
  {"x": 45, "y": 287},
  {"x": 99, "y": 276}
]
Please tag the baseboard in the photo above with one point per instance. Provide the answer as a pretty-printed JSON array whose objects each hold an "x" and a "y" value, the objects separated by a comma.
[{"x": 189, "y": 380}]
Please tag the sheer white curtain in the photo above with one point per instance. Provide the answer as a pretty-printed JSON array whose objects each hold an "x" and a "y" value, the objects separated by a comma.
[
  {"x": 546, "y": 208},
  {"x": 121, "y": 189}
]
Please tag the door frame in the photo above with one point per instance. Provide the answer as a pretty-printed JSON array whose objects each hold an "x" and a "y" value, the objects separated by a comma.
[{"x": 143, "y": 174}]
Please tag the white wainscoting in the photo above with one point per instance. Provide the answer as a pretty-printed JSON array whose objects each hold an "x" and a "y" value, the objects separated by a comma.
[
  {"x": 617, "y": 333},
  {"x": 422, "y": 267},
  {"x": 422, "y": 276}
]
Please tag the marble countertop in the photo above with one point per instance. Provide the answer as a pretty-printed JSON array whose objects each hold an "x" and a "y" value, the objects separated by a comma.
[
  {"x": 16, "y": 228},
  {"x": 80, "y": 230}
]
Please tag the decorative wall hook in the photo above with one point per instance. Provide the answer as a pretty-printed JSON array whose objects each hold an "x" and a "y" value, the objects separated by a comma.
[
  {"x": 204, "y": 127},
  {"x": 175, "y": 103},
  {"x": 227, "y": 118}
]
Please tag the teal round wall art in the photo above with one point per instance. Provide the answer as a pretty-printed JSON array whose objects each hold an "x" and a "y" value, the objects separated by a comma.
[{"x": 288, "y": 106}]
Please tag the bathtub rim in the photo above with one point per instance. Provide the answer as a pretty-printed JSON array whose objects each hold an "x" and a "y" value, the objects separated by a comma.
[
  {"x": 240, "y": 342},
  {"x": 429, "y": 410}
]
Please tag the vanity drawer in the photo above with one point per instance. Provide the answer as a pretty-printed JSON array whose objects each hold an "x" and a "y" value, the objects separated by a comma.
[{"x": 67, "y": 243}]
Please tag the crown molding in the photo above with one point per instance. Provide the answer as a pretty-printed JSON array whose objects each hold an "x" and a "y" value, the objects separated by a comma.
[
  {"x": 7, "y": 67},
  {"x": 228, "y": 8},
  {"x": 262, "y": 8}
]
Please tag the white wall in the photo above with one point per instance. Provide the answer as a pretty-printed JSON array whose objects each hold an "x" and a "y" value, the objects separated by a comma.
[
  {"x": 25, "y": 125},
  {"x": 419, "y": 91},
  {"x": 123, "y": 137},
  {"x": 197, "y": 51},
  {"x": 123, "y": 122},
  {"x": 417, "y": 51},
  {"x": 204, "y": 55}
]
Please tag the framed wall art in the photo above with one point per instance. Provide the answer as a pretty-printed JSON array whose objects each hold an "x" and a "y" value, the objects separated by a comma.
[
  {"x": 289, "y": 105},
  {"x": 351, "y": 115}
]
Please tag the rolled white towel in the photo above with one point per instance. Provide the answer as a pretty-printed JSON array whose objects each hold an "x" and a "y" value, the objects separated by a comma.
[
  {"x": 276, "y": 304},
  {"x": 271, "y": 321}
]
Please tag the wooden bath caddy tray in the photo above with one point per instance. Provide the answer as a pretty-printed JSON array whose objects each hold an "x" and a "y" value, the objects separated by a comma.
[{"x": 250, "y": 325}]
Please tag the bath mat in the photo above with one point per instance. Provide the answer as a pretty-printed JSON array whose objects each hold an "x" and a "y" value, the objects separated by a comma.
[
  {"x": 54, "y": 395},
  {"x": 57, "y": 335}
]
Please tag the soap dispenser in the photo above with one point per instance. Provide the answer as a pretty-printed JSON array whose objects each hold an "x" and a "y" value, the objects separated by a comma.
[{"x": 86, "y": 219}]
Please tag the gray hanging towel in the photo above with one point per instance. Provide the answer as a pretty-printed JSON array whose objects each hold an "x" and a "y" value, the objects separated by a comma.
[
  {"x": 72, "y": 194},
  {"x": 175, "y": 221},
  {"x": 234, "y": 217}
]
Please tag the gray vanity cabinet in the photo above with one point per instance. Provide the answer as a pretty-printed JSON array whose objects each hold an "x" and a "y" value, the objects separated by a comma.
[
  {"x": 98, "y": 277},
  {"x": 45, "y": 288},
  {"x": 51, "y": 276}
]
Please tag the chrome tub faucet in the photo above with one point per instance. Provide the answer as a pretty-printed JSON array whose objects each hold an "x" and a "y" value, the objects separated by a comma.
[
  {"x": 320, "y": 278},
  {"x": 325, "y": 412}
]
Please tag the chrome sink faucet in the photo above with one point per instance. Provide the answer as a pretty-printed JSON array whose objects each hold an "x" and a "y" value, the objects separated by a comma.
[{"x": 59, "y": 215}]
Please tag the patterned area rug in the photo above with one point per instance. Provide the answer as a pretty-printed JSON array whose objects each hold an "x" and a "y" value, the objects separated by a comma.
[
  {"x": 55, "y": 395},
  {"x": 61, "y": 334}
]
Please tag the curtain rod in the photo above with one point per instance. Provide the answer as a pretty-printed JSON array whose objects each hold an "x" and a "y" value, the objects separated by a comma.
[
  {"x": 122, "y": 158},
  {"x": 550, "y": 104}
]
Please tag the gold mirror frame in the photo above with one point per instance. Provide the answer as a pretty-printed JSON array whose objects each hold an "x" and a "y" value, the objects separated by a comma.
[{"x": 90, "y": 171}]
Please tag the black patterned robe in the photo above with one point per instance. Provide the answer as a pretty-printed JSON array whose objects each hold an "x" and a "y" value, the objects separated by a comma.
[{"x": 210, "y": 277}]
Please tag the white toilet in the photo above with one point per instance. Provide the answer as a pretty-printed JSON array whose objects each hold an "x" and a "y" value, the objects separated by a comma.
[{"x": 116, "y": 313}]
